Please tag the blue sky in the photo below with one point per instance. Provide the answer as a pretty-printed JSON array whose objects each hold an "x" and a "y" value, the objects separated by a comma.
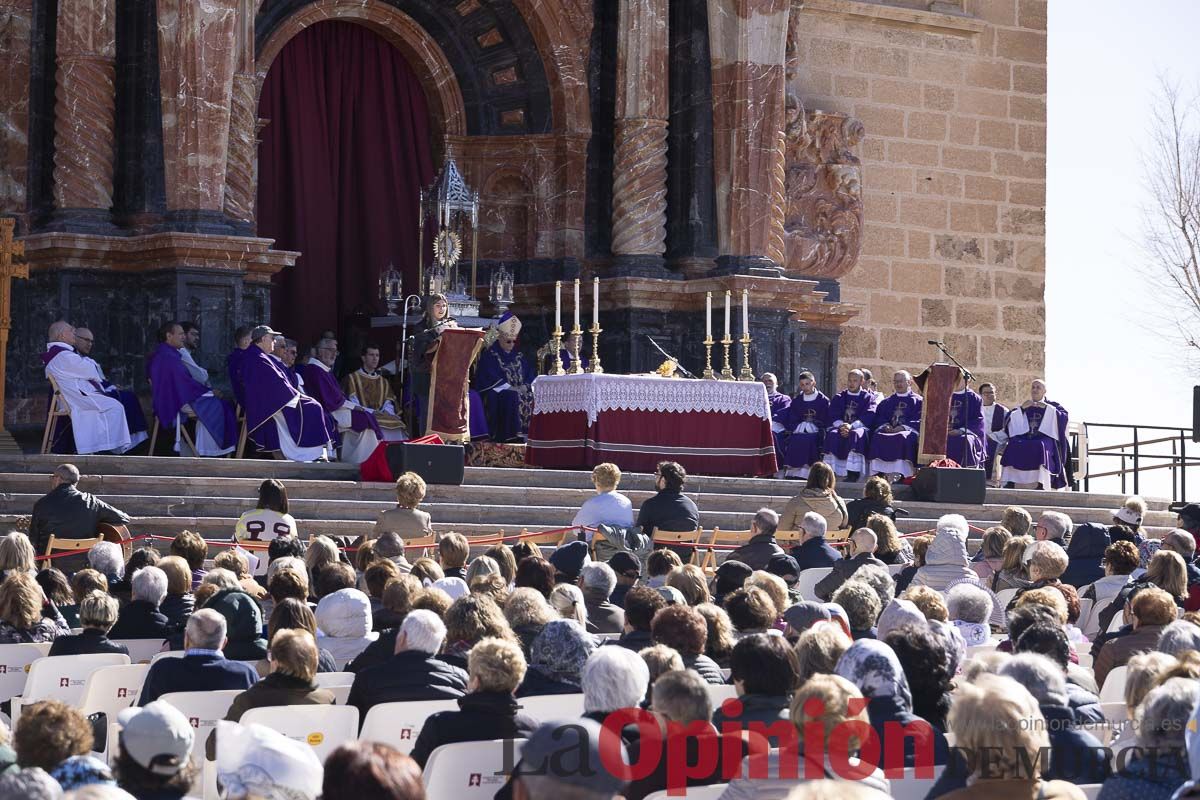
[{"x": 1105, "y": 353}]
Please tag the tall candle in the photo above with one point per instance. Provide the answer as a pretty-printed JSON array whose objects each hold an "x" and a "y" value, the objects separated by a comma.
[
  {"x": 557, "y": 306},
  {"x": 595, "y": 302},
  {"x": 727, "y": 294},
  {"x": 576, "y": 304},
  {"x": 708, "y": 316},
  {"x": 745, "y": 312}
]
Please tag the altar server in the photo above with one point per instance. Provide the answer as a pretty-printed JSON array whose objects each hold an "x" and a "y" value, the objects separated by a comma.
[
  {"x": 1037, "y": 449},
  {"x": 97, "y": 421},
  {"x": 505, "y": 379},
  {"x": 779, "y": 403},
  {"x": 897, "y": 429},
  {"x": 279, "y": 417},
  {"x": 995, "y": 416},
  {"x": 965, "y": 442},
  {"x": 805, "y": 423},
  {"x": 135, "y": 418},
  {"x": 358, "y": 427},
  {"x": 175, "y": 391},
  {"x": 371, "y": 389},
  {"x": 851, "y": 414}
]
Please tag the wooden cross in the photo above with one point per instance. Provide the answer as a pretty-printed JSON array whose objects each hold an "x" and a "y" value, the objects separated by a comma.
[{"x": 9, "y": 249}]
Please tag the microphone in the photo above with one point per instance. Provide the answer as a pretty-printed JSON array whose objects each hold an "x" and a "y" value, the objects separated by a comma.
[
  {"x": 668, "y": 356},
  {"x": 935, "y": 344}
]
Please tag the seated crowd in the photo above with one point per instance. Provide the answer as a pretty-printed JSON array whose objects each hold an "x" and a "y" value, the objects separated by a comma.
[{"x": 908, "y": 651}]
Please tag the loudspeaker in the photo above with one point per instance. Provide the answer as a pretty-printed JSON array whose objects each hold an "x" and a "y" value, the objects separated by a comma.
[
  {"x": 436, "y": 463},
  {"x": 948, "y": 485}
]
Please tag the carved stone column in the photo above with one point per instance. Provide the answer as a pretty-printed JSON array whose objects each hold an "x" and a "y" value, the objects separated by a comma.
[
  {"x": 243, "y": 120},
  {"x": 16, "y": 19},
  {"x": 747, "y": 39},
  {"x": 639, "y": 233},
  {"x": 84, "y": 105},
  {"x": 197, "y": 60}
]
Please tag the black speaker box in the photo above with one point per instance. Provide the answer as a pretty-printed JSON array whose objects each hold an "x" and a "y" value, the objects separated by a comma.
[
  {"x": 436, "y": 463},
  {"x": 948, "y": 485}
]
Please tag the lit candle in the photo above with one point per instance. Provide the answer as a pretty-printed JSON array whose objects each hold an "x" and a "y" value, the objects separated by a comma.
[
  {"x": 557, "y": 306},
  {"x": 745, "y": 312},
  {"x": 727, "y": 294},
  {"x": 595, "y": 302},
  {"x": 576, "y": 304},
  {"x": 708, "y": 317}
]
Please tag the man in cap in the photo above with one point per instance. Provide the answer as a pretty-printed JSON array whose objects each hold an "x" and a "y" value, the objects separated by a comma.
[
  {"x": 569, "y": 560},
  {"x": 154, "y": 751},
  {"x": 176, "y": 393},
  {"x": 358, "y": 427},
  {"x": 1189, "y": 518},
  {"x": 279, "y": 417},
  {"x": 504, "y": 379}
]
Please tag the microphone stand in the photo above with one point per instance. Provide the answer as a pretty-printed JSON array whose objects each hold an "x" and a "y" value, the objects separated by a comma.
[
  {"x": 669, "y": 357},
  {"x": 966, "y": 372}
]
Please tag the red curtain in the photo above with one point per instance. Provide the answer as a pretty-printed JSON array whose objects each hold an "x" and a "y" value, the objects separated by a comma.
[{"x": 343, "y": 156}]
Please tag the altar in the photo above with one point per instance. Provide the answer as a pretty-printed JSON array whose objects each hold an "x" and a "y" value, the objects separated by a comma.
[{"x": 711, "y": 427}]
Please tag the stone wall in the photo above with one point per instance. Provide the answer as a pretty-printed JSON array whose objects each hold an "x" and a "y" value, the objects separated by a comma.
[{"x": 953, "y": 176}]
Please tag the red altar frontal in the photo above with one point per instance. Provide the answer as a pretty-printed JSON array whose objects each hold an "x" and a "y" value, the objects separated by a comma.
[{"x": 635, "y": 421}]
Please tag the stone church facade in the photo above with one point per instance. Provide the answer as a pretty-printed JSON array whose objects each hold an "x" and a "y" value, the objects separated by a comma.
[{"x": 873, "y": 173}]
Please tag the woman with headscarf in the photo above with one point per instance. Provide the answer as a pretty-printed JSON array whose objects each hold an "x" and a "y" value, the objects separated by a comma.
[
  {"x": 872, "y": 666},
  {"x": 556, "y": 659},
  {"x": 947, "y": 562}
]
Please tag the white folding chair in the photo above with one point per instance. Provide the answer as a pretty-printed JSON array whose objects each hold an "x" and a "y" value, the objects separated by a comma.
[
  {"x": 399, "y": 724},
  {"x": 323, "y": 728},
  {"x": 142, "y": 651},
  {"x": 1085, "y": 659},
  {"x": 202, "y": 709},
  {"x": 110, "y": 690},
  {"x": 15, "y": 660},
  {"x": 62, "y": 678},
  {"x": 328, "y": 680},
  {"x": 910, "y": 787},
  {"x": 1090, "y": 790},
  {"x": 1117, "y": 621},
  {"x": 1004, "y": 597},
  {"x": 167, "y": 654},
  {"x": 709, "y": 792},
  {"x": 470, "y": 770},
  {"x": 809, "y": 579},
  {"x": 1113, "y": 690},
  {"x": 552, "y": 706},
  {"x": 720, "y": 692},
  {"x": 896, "y": 569}
]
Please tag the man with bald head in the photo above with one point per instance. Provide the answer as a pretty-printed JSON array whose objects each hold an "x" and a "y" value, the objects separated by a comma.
[
  {"x": 359, "y": 430},
  {"x": 98, "y": 422},
  {"x": 851, "y": 414},
  {"x": 1037, "y": 453},
  {"x": 893, "y": 448},
  {"x": 134, "y": 416}
]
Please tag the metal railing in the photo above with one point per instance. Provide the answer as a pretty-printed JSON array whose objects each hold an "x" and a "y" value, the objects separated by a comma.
[{"x": 1139, "y": 449}]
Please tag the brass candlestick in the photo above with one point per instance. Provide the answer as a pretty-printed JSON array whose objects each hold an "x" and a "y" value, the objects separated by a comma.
[
  {"x": 576, "y": 341},
  {"x": 556, "y": 339},
  {"x": 746, "y": 374},
  {"x": 708, "y": 370},
  {"x": 727, "y": 370},
  {"x": 594, "y": 365}
]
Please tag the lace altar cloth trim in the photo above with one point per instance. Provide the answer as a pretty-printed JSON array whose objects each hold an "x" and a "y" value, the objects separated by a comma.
[{"x": 595, "y": 393}]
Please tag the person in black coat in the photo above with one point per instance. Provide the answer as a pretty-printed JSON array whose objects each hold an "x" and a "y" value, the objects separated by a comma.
[
  {"x": 598, "y": 581},
  {"x": 670, "y": 509},
  {"x": 489, "y": 710},
  {"x": 762, "y": 545},
  {"x": 97, "y": 613},
  {"x": 764, "y": 669},
  {"x": 876, "y": 499},
  {"x": 413, "y": 672},
  {"x": 1085, "y": 553},
  {"x": 141, "y": 619},
  {"x": 863, "y": 544},
  {"x": 203, "y": 667},
  {"x": 641, "y": 604},
  {"x": 814, "y": 552}
]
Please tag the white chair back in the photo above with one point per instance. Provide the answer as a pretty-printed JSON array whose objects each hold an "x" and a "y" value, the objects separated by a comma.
[
  {"x": 15, "y": 661},
  {"x": 399, "y": 724},
  {"x": 167, "y": 654},
  {"x": 552, "y": 706},
  {"x": 328, "y": 680},
  {"x": 470, "y": 770},
  {"x": 896, "y": 569},
  {"x": 720, "y": 692},
  {"x": 202, "y": 709},
  {"x": 112, "y": 689},
  {"x": 910, "y": 787},
  {"x": 64, "y": 677},
  {"x": 1090, "y": 790},
  {"x": 709, "y": 792},
  {"x": 1113, "y": 690},
  {"x": 808, "y": 581},
  {"x": 1004, "y": 597},
  {"x": 141, "y": 651},
  {"x": 323, "y": 728}
]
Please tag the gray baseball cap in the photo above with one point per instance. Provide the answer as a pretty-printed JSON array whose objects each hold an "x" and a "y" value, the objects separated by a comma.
[
  {"x": 157, "y": 736},
  {"x": 261, "y": 331}
]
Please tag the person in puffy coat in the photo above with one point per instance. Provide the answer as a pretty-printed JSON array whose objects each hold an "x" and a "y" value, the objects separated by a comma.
[{"x": 344, "y": 620}]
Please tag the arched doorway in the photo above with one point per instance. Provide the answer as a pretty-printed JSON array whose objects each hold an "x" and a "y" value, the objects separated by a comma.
[{"x": 343, "y": 155}]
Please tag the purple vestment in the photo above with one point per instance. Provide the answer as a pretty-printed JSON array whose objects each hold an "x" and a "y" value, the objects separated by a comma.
[
  {"x": 1034, "y": 451},
  {"x": 779, "y": 405},
  {"x": 509, "y": 409},
  {"x": 174, "y": 387},
  {"x": 803, "y": 448},
  {"x": 849, "y": 407},
  {"x": 270, "y": 391},
  {"x": 233, "y": 362},
  {"x": 966, "y": 411},
  {"x": 999, "y": 417},
  {"x": 892, "y": 448},
  {"x": 320, "y": 384}
]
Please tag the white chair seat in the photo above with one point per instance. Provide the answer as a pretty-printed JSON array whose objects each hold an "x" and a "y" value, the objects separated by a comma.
[
  {"x": 323, "y": 728},
  {"x": 808, "y": 581},
  {"x": 399, "y": 724},
  {"x": 1090, "y": 790},
  {"x": 470, "y": 770},
  {"x": 552, "y": 706}
]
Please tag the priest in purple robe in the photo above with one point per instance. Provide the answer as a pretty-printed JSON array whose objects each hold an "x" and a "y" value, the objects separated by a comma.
[
  {"x": 359, "y": 430},
  {"x": 505, "y": 380},
  {"x": 176, "y": 392},
  {"x": 779, "y": 403},
  {"x": 995, "y": 416},
  {"x": 805, "y": 421},
  {"x": 233, "y": 363},
  {"x": 1037, "y": 450},
  {"x": 897, "y": 430},
  {"x": 851, "y": 415},
  {"x": 966, "y": 440},
  {"x": 279, "y": 417},
  {"x": 134, "y": 416}
]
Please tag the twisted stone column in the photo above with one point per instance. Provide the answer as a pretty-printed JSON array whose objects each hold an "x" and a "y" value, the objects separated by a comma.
[
  {"x": 240, "y": 169},
  {"x": 639, "y": 229},
  {"x": 776, "y": 247},
  {"x": 84, "y": 106}
]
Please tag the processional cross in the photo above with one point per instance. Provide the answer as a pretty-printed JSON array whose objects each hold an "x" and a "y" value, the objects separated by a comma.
[{"x": 9, "y": 269}]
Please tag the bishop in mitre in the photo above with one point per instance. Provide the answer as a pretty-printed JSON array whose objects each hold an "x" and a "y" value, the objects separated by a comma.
[{"x": 372, "y": 390}]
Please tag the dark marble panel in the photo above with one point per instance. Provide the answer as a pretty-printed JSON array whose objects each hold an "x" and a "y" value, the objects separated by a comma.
[
  {"x": 40, "y": 192},
  {"x": 602, "y": 91},
  {"x": 139, "y": 186}
]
